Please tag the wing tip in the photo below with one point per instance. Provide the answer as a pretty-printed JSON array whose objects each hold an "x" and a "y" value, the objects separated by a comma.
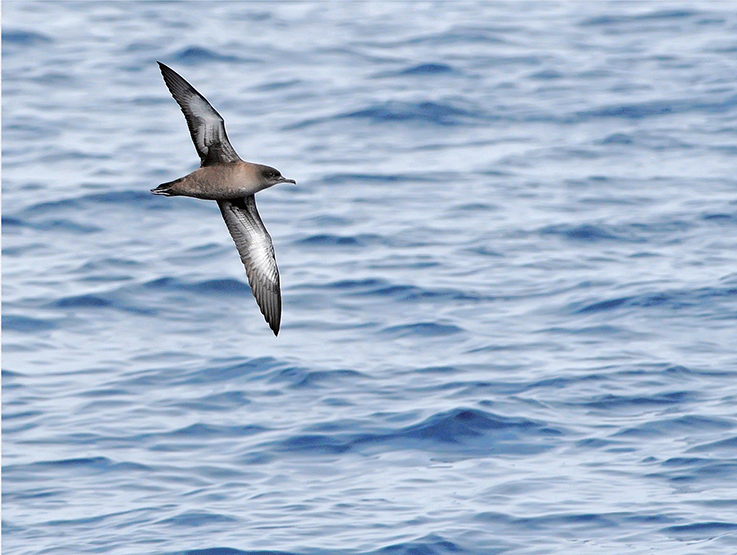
[{"x": 272, "y": 315}]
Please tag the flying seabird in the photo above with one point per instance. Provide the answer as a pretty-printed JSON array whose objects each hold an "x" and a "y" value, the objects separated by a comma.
[{"x": 224, "y": 177}]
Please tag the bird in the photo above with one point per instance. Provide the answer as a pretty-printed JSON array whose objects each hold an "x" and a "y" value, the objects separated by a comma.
[{"x": 224, "y": 177}]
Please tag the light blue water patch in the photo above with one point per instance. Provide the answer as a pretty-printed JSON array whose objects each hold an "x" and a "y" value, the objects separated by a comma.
[{"x": 509, "y": 274}]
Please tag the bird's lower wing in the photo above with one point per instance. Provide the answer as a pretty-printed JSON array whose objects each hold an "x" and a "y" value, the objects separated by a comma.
[{"x": 257, "y": 254}]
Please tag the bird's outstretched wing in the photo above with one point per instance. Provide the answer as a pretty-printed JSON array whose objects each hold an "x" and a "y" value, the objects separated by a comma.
[
  {"x": 257, "y": 254},
  {"x": 205, "y": 125}
]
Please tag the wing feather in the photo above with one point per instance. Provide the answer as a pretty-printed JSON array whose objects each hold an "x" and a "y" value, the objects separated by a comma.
[
  {"x": 257, "y": 254},
  {"x": 206, "y": 126}
]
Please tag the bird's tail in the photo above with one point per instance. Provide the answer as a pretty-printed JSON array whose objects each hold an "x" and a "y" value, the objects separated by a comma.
[{"x": 166, "y": 189}]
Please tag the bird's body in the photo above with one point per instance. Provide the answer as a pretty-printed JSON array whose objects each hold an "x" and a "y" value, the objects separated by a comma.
[
  {"x": 218, "y": 182},
  {"x": 224, "y": 177}
]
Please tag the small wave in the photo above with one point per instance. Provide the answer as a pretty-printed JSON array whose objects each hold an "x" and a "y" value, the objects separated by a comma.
[
  {"x": 429, "y": 112},
  {"x": 26, "y": 324},
  {"x": 19, "y": 37},
  {"x": 82, "y": 301},
  {"x": 423, "y": 329},
  {"x": 674, "y": 300},
  {"x": 459, "y": 34},
  {"x": 232, "y": 551},
  {"x": 611, "y": 401},
  {"x": 330, "y": 240},
  {"x": 250, "y": 369},
  {"x": 547, "y": 75},
  {"x": 87, "y": 464},
  {"x": 720, "y": 218},
  {"x": 401, "y": 292},
  {"x": 299, "y": 377},
  {"x": 201, "y": 431},
  {"x": 701, "y": 529},
  {"x": 459, "y": 431},
  {"x": 210, "y": 286},
  {"x": 585, "y": 232},
  {"x": 351, "y": 178},
  {"x": 429, "y": 545},
  {"x": 728, "y": 446},
  {"x": 455, "y": 425},
  {"x": 624, "y": 20},
  {"x": 427, "y": 69},
  {"x": 198, "y": 518},
  {"x": 653, "y": 108},
  {"x": 194, "y": 55}
]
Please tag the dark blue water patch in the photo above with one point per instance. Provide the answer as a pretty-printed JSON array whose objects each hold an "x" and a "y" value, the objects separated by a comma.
[
  {"x": 232, "y": 551},
  {"x": 6, "y": 416},
  {"x": 279, "y": 85},
  {"x": 223, "y": 287},
  {"x": 463, "y": 34},
  {"x": 706, "y": 298},
  {"x": 700, "y": 529},
  {"x": 426, "y": 112},
  {"x": 206, "y": 287},
  {"x": 217, "y": 402},
  {"x": 119, "y": 199},
  {"x": 589, "y": 233},
  {"x": 726, "y": 446},
  {"x": 330, "y": 240},
  {"x": 421, "y": 112},
  {"x": 81, "y": 301},
  {"x": 626, "y": 21},
  {"x": 546, "y": 75},
  {"x": 20, "y": 37},
  {"x": 196, "y": 55},
  {"x": 26, "y": 324},
  {"x": 655, "y": 108},
  {"x": 381, "y": 288},
  {"x": 107, "y": 270},
  {"x": 315, "y": 444},
  {"x": 458, "y": 432},
  {"x": 679, "y": 426},
  {"x": 456, "y": 425},
  {"x": 209, "y": 431},
  {"x": 429, "y": 545},
  {"x": 352, "y": 178},
  {"x": 303, "y": 378},
  {"x": 85, "y": 465},
  {"x": 554, "y": 522},
  {"x": 197, "y": 518},
  {"x": 11, "y": 222},
  {"x": 54, "y": 225},
  {"x": 611, "y": 401},
  {"x": 423, "y": 329},
  {"x": 252, "y": 369},
  {"x": 427, "y": 69},
  {"x": 719, "y": 218},
  {"x": 322, "y": 221},
  {"x": 617, "y": 139},
  {"x": 118, "y": 299}
]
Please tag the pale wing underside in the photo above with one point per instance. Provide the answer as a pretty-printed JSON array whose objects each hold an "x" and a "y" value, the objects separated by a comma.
[
  {"x": 257, "y": 254},
  {"x": 206, "y": 126}
]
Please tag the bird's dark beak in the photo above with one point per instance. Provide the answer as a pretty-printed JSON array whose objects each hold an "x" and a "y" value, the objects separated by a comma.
[{"x": 285, "y": 180}]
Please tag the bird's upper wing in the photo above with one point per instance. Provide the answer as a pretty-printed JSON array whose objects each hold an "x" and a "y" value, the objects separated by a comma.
[
  {"x": 257, "y": 254},
  {"x": 205, "y": 125}
]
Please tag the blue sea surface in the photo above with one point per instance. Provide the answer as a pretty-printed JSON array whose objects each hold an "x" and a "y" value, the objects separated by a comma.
[{"x": 509, "y": 269}]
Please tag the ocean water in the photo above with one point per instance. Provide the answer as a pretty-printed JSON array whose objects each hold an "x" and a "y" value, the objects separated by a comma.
[{"x": 509, "y": 269}]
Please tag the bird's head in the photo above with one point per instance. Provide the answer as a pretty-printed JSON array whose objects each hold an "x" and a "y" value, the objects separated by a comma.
[{"x": 269, "y": 177}]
